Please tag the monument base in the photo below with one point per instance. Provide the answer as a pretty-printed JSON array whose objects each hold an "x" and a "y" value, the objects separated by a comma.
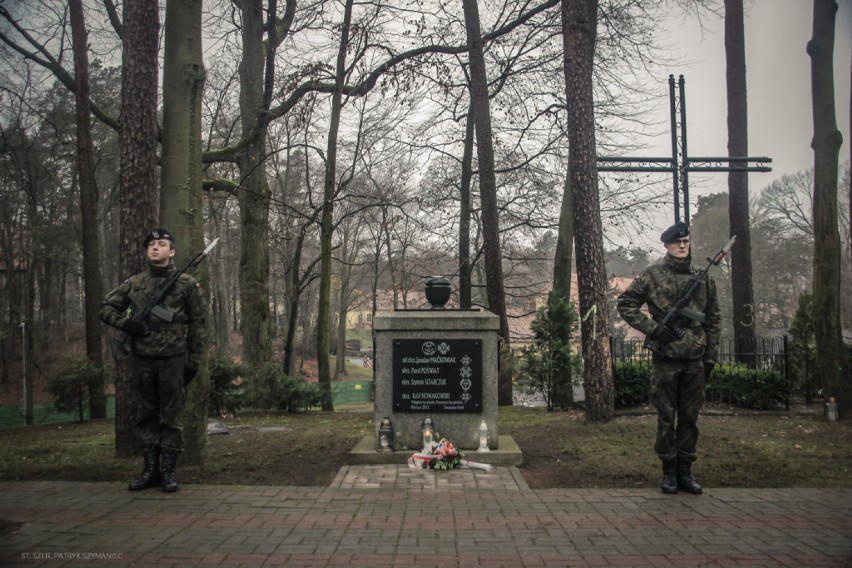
[{"x": 364, "y": 453}]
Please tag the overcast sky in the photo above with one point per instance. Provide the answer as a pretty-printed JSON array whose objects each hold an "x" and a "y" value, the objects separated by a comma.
[{"x": 779, "y": 97}]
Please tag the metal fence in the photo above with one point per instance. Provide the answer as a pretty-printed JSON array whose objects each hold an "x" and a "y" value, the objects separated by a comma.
[
  {"x": 12, "y": 415},
  {"x": 763, "y": 353},
  {"x": 767, "y": 354}
]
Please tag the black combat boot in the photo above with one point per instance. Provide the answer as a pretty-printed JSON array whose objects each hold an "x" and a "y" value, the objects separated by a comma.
[
  {"x": 685, "y": 480},
  {"x": 669, "y": 484},
  {"x": 150, "y": 476},
  {"x": 170, "y": 484}
]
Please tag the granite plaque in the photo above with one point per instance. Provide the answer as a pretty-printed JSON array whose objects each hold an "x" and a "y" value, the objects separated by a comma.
[{"x": 437, "y": 375}]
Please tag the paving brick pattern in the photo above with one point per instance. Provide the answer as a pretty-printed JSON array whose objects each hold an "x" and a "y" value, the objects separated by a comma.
[{"x": 388, "y": 515}]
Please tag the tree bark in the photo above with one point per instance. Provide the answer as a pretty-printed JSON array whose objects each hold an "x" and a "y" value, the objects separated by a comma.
[
  {"x": 254, "y": 196},
  {"x": 465, "y": 295},
  {"x": 826, "y": 144},
  {"x": 220, "y": 308},
  {"x": 579, "y": 21},
  {"x": 293, "y": 293},
  {"x": 180, "y": 199},
  {"x": 488, "y": 195},
  {"x": 345, "y": 283},
  {"x": 139, "y": 188},
  {"x": 92, "y": 282},
  {"x": 738, "y": 207},
  {"x": 327, "y": 218}
]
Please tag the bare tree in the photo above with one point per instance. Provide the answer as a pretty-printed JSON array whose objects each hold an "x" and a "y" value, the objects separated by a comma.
[
  {"x": 327, "y": 218},
  {"x": 254, "y": 191},
  {"x": 88, "y": 205},
  {"x": 479, "y": 103}
]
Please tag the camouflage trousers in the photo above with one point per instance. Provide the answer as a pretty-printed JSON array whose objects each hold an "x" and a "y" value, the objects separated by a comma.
[
  {"x": 157, "y": 387},
  {"x": 678, "y": 395}
]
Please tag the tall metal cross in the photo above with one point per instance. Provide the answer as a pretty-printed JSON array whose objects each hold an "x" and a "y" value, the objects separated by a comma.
[{"x": 681, "y": 164}]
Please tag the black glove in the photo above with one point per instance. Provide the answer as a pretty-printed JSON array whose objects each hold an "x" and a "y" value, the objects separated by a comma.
[
  {"x": 664, "y": 334},
  {"x": 708, "y": 368},
  {"x": 134, "y": 328},
  {"x": 189, "y": 373}
]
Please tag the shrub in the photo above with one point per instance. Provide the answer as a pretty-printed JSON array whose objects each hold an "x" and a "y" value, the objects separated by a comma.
[
  {"x": 736, "y": 384},
  {"x": 70, "y": 387},
  {"x": 803, "y": 348},
  {"x": 284, "y": 393},
  {"x": 631, "y": 383},
  {"x": 748, "y": 388},
  {"x": 227, "y": 394},
  {"x": 548, "y": 363}
]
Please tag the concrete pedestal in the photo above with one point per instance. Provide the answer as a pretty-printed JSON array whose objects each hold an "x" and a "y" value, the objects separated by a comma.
[{"x": 437, "y": 363}]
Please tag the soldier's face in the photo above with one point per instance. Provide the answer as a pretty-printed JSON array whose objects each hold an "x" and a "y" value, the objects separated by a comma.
[
  {"x": 678, "y": 248},
  {"x": 160, "y": 252}
]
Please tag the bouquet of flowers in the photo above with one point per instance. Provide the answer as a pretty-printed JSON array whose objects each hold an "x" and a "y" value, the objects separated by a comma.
[{"x": 443, "y": 455}]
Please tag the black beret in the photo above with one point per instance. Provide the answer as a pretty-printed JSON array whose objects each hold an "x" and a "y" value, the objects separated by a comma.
[
  {"x": 158, "y": 234},
  {"x": 676, "y": 231}
]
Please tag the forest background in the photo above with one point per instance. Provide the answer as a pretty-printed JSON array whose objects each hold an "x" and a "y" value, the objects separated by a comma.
[{"x": 336, "y": 142}]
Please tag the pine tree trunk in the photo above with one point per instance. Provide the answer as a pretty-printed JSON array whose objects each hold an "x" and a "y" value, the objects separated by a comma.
[
  {"x": 738, "y": 209},
  {"x": 465, "y": 295},
  {"x": 579, "y": 20},
  {"x": 139, "y": 186}
]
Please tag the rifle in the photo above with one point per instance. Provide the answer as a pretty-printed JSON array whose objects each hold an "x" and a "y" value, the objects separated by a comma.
[
  {"x": 153, "y": 307},
  {"x": 680, "y": 307}
]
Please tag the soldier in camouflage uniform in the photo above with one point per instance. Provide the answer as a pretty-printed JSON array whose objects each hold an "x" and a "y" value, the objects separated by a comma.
[
  {"x": 679, "y": 373},
  {"x": 165, "y": 355}
]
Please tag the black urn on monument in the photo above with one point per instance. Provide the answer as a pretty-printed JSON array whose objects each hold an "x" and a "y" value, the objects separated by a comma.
[{"x": 438, "y": 291}]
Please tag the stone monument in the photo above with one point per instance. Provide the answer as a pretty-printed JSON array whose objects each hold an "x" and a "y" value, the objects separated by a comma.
[{"x": 437, "y": 364}]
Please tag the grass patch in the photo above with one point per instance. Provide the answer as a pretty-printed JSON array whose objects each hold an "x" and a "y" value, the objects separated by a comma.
[
  {"x": 560, "y": 450},
  {"x": 745, "y": 450}
]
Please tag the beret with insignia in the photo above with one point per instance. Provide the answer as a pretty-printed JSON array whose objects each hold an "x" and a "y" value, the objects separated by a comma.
[
  {"x": 676, "y": 231},
  {"x": 156, "y": 235}
]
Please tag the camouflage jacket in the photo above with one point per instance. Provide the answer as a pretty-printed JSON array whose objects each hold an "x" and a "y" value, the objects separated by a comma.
[
  {"x": 658, "y": 286},
  {"x": 182, "y": 335}
]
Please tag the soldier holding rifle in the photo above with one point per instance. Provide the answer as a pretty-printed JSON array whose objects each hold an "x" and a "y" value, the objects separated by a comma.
[
  {"x": 160, "y": 313},
  {"x": 683, "y": 336}
]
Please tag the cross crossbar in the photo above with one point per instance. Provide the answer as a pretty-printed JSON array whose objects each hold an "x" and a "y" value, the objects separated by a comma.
[{"x": 679, "y": 165}]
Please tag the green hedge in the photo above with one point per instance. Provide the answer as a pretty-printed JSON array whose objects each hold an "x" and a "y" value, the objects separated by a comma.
[
  {"x": 741, "y": 386},
  {"x": 631, "y": 384},
  {"x": 735, "y": 384}
]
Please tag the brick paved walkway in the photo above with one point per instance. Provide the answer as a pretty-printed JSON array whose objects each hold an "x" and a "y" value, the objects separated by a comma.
[{"x": 389, "y": 516}]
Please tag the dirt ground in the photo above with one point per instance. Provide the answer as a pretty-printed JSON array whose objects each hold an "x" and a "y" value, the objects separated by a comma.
[{"x": 543, "y": 465}]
